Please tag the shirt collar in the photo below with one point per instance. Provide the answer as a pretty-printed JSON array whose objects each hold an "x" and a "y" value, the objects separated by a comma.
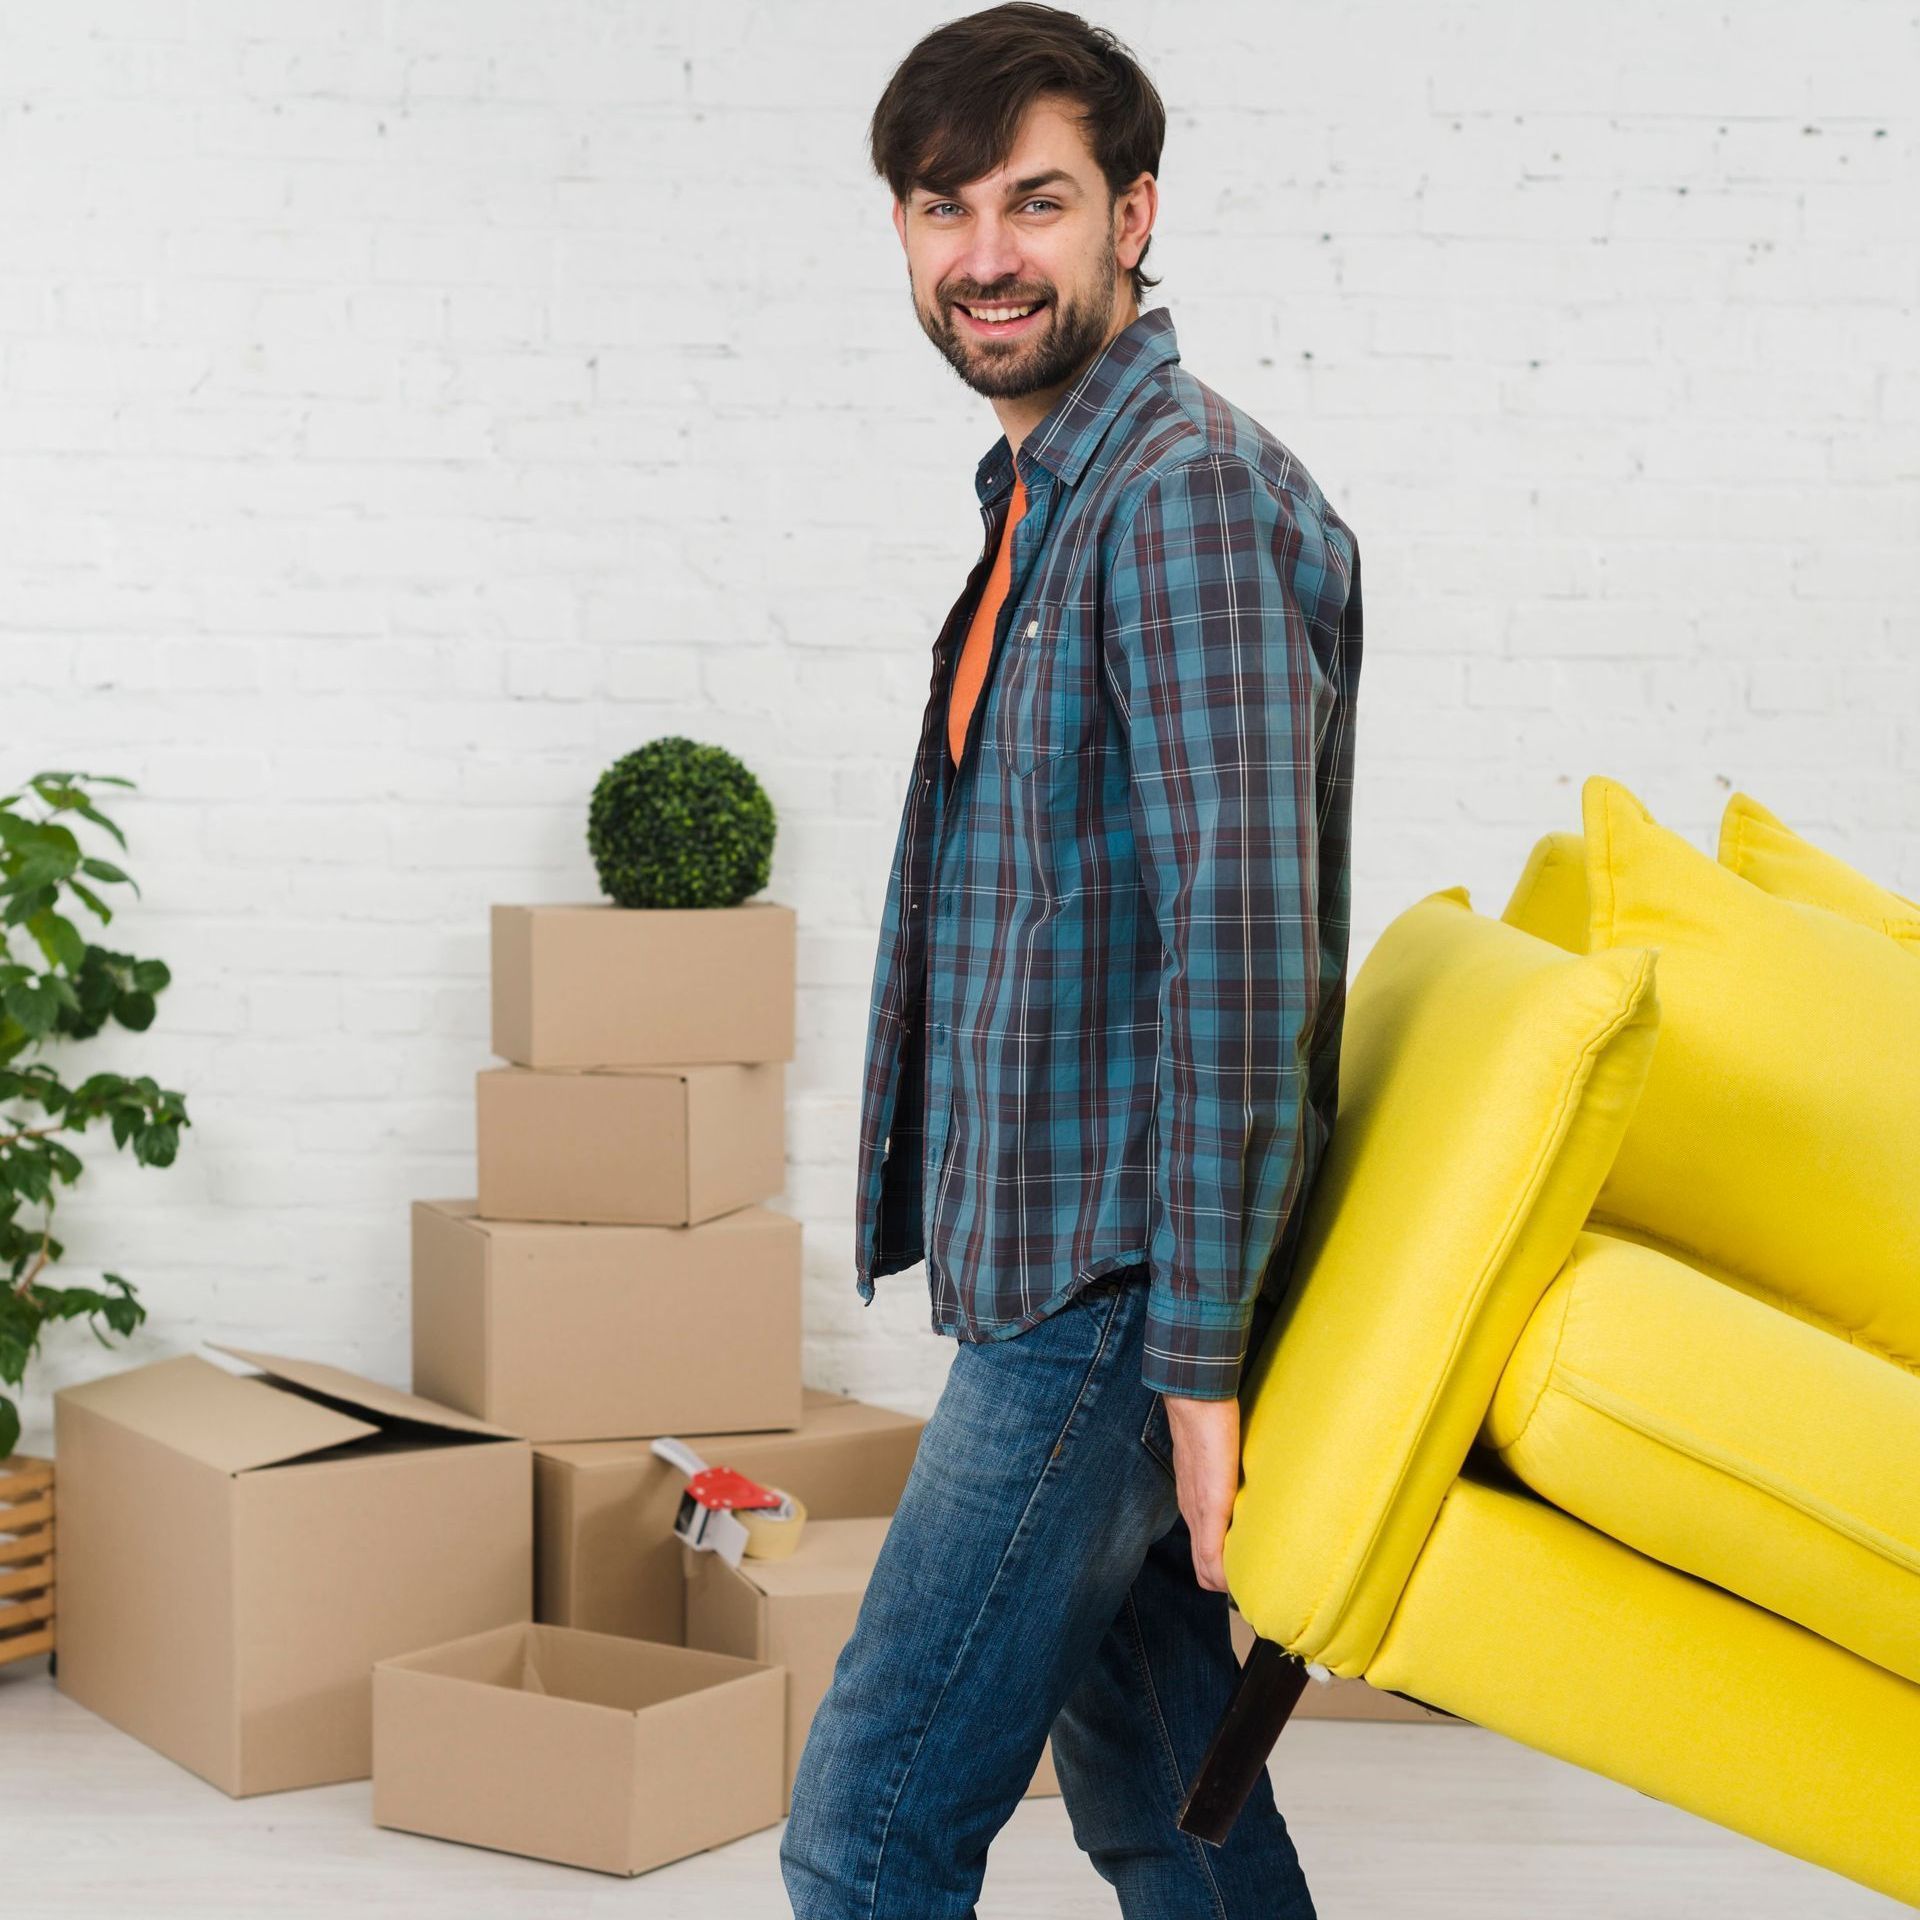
[{"x": 1065, "y": 440}]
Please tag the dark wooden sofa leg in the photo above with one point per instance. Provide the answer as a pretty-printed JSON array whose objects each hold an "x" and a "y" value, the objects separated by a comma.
[{"x": 1263, "y": 1697}]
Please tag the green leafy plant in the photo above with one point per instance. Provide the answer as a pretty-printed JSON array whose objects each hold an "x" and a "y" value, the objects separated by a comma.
[
  {"x": 678, "y": 823},
  {"x": 64, "y": 989}
]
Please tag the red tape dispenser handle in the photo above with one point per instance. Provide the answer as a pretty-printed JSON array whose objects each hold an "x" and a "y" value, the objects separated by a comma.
[{"x": 722, "y": 1511}]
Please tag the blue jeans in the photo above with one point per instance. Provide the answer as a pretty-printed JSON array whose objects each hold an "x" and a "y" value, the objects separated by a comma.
[{"x": 1037, "y": 1577}]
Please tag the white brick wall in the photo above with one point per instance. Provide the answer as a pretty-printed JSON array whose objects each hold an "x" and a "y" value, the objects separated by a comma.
[{"x": 407, "y": 407}]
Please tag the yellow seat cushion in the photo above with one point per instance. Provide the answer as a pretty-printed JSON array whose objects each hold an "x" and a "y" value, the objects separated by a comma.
[
  {"x": 1486, "y": 1080},
  {"x": 1779, "y": 1130},
  {"x": 1697, "y": 1424},
  {"x": 1525, "y": 1620},
  {"x": 1762, "y": 848}
]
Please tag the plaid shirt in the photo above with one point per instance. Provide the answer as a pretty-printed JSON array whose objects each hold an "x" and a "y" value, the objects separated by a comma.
[{"x": 1105, "y": 1021}]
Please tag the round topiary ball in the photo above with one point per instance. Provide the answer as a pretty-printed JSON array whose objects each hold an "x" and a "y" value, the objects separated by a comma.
[{"x": 679, "y": 823}]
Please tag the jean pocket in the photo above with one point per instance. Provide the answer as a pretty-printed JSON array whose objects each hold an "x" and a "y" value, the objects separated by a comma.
[
  {"x": 1157, "y": 1435},
  {"x": 1097, "y": 1299}
]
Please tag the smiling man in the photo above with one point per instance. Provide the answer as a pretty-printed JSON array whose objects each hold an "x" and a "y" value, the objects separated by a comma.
[{"x": 1104, "y": 1033}]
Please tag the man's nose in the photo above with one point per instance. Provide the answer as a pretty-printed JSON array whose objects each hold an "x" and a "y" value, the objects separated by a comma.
[{"x": 992, "y": 255}]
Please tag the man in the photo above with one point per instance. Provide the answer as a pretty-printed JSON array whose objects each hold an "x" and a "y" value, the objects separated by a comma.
[{"x": 1103, "y": 1047}]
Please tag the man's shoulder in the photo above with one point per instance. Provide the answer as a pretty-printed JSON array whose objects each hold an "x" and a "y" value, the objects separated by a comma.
[{"x": 1177, "y": 422}]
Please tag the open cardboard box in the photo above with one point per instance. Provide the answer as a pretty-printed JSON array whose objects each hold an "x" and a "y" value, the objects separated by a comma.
[
  {"x": 237, "y": 1550},
  {"x": 586, "y": 1748}
]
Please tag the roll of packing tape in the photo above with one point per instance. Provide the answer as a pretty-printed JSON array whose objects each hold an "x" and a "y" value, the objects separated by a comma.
[{"x": 770, "y": 1537}]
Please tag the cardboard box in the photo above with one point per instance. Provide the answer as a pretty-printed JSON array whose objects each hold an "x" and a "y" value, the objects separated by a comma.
[
  {"x": 601, "y": 1333},
  {"x": 584, "y": 1748},
  {"x": 237, "y": 1550},
  {"x": 629, "y": 1146},
  {"x": 798, "y": 1611},
  {"x": 605, "y": 986},
  {"x": 607, "y": 1557}
]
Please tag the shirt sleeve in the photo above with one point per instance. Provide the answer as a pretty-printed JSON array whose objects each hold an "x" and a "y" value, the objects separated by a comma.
[{"x": 1211, "y": 665}]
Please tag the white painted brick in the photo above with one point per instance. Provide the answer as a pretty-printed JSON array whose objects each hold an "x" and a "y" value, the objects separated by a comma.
[
  {"x": 407, "y": 407},
  {"x": 653, "y": 674}
]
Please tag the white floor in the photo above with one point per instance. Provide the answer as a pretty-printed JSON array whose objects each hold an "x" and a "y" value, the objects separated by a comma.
[{"x": 1393, "y": 1822}]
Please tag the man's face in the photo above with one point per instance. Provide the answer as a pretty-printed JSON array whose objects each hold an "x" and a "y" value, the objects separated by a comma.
[{"x": 1039, "y": 234}]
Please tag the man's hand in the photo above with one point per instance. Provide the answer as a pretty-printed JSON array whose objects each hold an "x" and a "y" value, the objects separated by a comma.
[{"x": 1206, "y": 1469}]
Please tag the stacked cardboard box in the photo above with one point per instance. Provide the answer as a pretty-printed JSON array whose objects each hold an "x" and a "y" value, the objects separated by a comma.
[
  {"x": 473, "y": 1592},
  {"x": 617, "y": 1276}
]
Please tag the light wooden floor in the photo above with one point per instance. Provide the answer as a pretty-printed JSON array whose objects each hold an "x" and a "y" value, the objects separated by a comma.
[{"x": 1393, "y": 1822}]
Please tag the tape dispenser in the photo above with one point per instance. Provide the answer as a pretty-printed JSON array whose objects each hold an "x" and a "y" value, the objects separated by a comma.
[{"x": 724, "y": 1512}]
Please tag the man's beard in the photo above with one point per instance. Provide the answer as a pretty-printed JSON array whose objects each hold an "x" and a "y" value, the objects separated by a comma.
[{"x": 1064, "y": 339}]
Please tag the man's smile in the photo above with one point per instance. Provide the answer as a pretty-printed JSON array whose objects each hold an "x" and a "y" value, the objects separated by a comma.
[{"x": 997, "y": 322}]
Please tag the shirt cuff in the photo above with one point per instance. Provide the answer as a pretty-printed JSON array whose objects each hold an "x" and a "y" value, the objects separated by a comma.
[{"x": 1194, "y": 1347}]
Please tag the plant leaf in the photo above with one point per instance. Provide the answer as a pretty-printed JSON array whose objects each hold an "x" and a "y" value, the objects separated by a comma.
[
  {"x": 59, "y": 940},
  {"x": 102, "y": 912},
  {"x": 134, "y": 1010},
  {"x": 35, "y": 1004}
]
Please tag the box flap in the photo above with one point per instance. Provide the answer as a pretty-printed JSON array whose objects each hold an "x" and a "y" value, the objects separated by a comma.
[
  {"x": 368, "y": 1395},
  {"x": 226, "y": 1420},
  {"x": 530, "y": 1681}
]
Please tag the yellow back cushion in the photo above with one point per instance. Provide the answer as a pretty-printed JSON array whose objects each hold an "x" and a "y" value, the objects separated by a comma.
[
  {"x": 1485, "y": 1083},
  {"x": 1779, "y": 1131},
  {"x": 1762, "y": 848},
  {"x": 1550, "y": 897}
]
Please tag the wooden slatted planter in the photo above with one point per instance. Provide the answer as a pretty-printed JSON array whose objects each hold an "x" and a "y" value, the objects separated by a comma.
[{"x": 26, "y": 1556}]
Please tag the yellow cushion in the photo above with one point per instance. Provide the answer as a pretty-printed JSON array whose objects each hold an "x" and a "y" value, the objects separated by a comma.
[
  {"x": 1549, "y": 899},
  {"x": 1779, "y": 1131},
  {"x": 1486, "y": 1080},
  {"x": 1699, "y": 1425},
  {"x": 1762, "y": 848},
  {"x": 1529, "y": 1622}
]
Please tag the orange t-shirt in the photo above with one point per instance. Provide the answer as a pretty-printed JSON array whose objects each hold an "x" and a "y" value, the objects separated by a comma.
[{"x": 971, "y": 668}]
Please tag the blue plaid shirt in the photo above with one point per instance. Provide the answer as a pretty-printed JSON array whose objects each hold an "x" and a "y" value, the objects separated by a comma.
[{"x": 1105, "y": 1021}]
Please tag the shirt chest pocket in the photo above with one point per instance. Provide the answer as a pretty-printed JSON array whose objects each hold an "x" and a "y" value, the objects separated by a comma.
[{"x": 1038, "y": 713}]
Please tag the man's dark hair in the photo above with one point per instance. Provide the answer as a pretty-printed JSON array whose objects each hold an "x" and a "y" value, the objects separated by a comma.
[{"x": 953, "y": 107}]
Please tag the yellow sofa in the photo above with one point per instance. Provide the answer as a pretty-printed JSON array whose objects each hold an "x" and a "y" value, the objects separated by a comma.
[{"x": 1592, "y": 1410}]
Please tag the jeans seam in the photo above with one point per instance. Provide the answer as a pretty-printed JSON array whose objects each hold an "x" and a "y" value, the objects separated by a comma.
[
  {"x": 1196, "y": 1847},
  {"x": 986, "y": 1600}
]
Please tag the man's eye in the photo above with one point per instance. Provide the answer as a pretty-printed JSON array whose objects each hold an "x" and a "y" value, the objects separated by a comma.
[{"x": 1037, "y": 201}]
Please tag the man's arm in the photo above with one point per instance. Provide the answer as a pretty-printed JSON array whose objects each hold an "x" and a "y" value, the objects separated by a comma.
[{"x": 1208, "y": 657}]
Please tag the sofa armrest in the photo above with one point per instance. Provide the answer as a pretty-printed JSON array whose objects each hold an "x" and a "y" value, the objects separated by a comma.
[{"x": 1487, "y": 1078}]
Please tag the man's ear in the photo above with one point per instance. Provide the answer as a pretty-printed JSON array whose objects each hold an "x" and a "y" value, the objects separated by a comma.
[
  {"x": 900, "y": 223},
  {"x": 1147, "y": 189}
]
